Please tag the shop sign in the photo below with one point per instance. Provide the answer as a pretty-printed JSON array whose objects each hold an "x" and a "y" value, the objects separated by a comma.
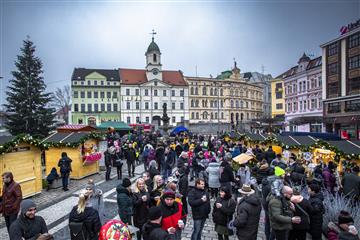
[{"x": 349, "y": 27}]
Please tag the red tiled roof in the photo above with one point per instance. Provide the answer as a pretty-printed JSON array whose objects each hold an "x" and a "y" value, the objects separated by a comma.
[
  {"x": 74, "y": 127},
  {"x": 138, "y": 76}
]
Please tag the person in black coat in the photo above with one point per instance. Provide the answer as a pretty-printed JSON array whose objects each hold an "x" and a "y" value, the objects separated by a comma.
[
  {"x": 270, "y": 155},
  {"x": 183, "y": 186},
  {"x": 226, "y": 173},
  {"x": 141, "y": 205},
  {"x": 223, "y": 210},
  {"x": 27, "y": 226},
  {"x": 65, "y": 169},
  {"x": 298, "y": 177},
  {"x": 199, "y": 200},
  {"x": 152, "y": 228},
  {"x": 84, "y": 219},
  {"x": 130, "y": 156},
  {"x": 248, "y": 214},
  {"x": 318, "y": 210},
  {"x": 303, "y": 209},
  {"x": 51, "y": 177}
]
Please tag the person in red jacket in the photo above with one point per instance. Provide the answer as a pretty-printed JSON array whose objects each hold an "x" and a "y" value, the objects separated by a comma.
[
  {"x": 11, "y": 199},
  {"x": 173, "y": 215}
]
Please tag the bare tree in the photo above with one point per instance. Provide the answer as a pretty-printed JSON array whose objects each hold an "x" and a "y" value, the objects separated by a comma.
[{"x": 61, "y": 100}]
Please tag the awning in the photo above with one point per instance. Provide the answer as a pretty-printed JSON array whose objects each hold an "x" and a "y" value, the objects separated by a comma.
[
  {"x": 347, "y": 147},
  {"x": 120, "y": 126}
]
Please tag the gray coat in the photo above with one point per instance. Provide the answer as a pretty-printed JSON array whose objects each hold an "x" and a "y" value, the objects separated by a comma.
[
  {"x": 96, "y": 201},
  {"x": 214, "y": 174}
]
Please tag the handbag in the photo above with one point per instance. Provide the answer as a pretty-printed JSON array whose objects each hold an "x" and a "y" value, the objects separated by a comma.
[
  {"x": 303, "y": 211},
  {"x": 77, "y": 230}
]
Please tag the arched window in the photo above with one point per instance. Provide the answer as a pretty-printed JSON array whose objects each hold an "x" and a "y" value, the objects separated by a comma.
[
  {"x": 192, "y": 91},
  {"x": 204, "y": 90},
  {"x": 231, "y": 103},
  {"x": 192, "y": 103},
  {"x": 197, "y": 115},
  {"x": 205, "y": 115},
  {"x": 211, "y": 116},
  {"x": 216, "y": 115},
  {"x": 241, "y": 104},
  {"x": 237, "y": 104},
  {"x": 196, "y": 91},
  {"x": 154, "y": 57},
  {"x": 215, "y": 92},
  {"x": 222, "y": 115},
  {"x": 247, "y": 104},
  {"x": 231, "y": 92},
  {"x": 197, "y": 103},
  {"x": 192, "y": 115},
  {"x": 221, "y": 92},
  {"x": 211, "y": 91},
  {"x": 237, "y": 92}
]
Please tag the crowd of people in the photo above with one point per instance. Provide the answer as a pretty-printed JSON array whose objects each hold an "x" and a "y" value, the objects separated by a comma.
[{"x": 194, "y": 178}]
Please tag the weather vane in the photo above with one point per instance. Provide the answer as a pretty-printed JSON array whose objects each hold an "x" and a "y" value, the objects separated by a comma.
[{"x": 153, "y": 34}]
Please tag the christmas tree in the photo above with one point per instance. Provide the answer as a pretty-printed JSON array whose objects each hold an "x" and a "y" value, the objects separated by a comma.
[{"x": 27, "y": 103}]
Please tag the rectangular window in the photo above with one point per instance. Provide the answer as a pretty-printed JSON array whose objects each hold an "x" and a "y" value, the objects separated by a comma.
[
  {"x": 354, "y": 62},
  {"x": 76, "y": 107},
  {"x": 301, "y": 105},
  {"x": 102, "y": 107},
  {"x": 102, "y": 94},
  {"x": 182, "y": 119},
  {"x": 295, "y": 107},
  {"x": 181, "y": 92},
  {"x": 115, "y": 107},
  {"x": 82, "y": 94},
  {"x": 352, "y": 106},
  {"x": 108, "y": 94},
  {"x": 181, "y": 105},
  {"x": 88, "y": 94},
  {"x": 173, "y": 93},
  {"x": 137, "y": 92},
  {"x": 278, "y": 85},
  {"x": 173, "y": 106},
  {"x": 146, "y": 92},
  {"x": 279, "y": 106},
  {"x": 354, "y": 85},
  {"x": 108, "y": 106},
  {"x": 115, "y": 95},
  {"x": 164, "y": 93},
  {"x": 155, "y": 92},
  {"x": 137, "y": 119},
  {"x": 95, "y": 83},
  {"x": 147, "y": 119},
  {"x": 102, "y": 83},
  {"x": 155, "y": 105},
  {"x": 137, "y": 105},
  {"x": 278, "y": 95},
  {"x": 333, "y": 88},
  {"x": 127, "y": 105},
  {"x": 333, "y": 49},
  {"x": 96, "y": 94},
  {"x": 96, "y": 107},
  {"x": 354, "y": 40},
  {"x": 173, "y": 119},
  {"x": 89, "y": 107},
  {"x": 82, "y": 107},
  {"x": 313, "y": 103},
  {"x": 333, "y": 68},
  {"x": 146, "y": 105},
  {"x": 76, "y": 94},
  {"x": 127, "y": 92},
  {"x": 305, "y": 105},
  {"x": 334, "y": 107},
  {"x": 128, "y": 120}
]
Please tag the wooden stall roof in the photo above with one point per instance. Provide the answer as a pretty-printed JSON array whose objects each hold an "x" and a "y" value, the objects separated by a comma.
[
  {"x": 346, "y": 146},
  {"x": 75, "y": 137},
  {"x": 256, "y": 137},
  {"x": 69, "y": 137},
  {"x": 57, "y": 137},
  {"x": 287, "y": 140},
  {"x": 76, "y": 128},
  {"x": 6, "y": 139},
  {"x": 304, "y": 140},
  {"x": 116, "y": 125}
]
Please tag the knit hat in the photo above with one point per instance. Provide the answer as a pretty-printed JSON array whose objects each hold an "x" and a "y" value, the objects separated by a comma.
[
  {"x": 168, "y": 194},
  {"x": 126, "y": 182},
  {"x": 279, "y": 171},
  {"x": 26, "y": 204},
  {"x": 345, "y": 217},
  {"x": 154, "y": 213}
]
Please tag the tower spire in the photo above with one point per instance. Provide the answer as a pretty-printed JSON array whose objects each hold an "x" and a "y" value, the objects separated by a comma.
[{"x": 153, "y": 34}]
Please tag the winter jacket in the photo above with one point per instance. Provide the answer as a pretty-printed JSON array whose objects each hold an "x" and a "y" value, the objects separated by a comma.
[
  {"x": 171, "y": 215},
  {"x": 27, "y": 228},
  {"x": 96, "y": 201},
  {"x": 269, "y": 155},
  {"x": 181, "y": 162},
  {"x": 266, "y": 190},
  {"x": 153, "y": 231},
  {"x": 200, "y": 209},
  {"x": 248, "y": 217},
  {"x": 261, "y": 172},
  {"x": 124, "y": 201},
  {"x": 226, "y": 173},
  {"x": 300, "y": 202},
  {"x": 279, "y": 213},
  {"x": 183, "y": 185},
  {"x": 65, "y": 165},
  {"x": 156, "y": 193},
  {"x": 130, "y": 155},
  {"x": 223, "y": 215},
  {"x": 11, "y": 198},
  {"x": 52, "y": 176},
  {"x": 351, "y": 185},
  {"x": 316, "y": 216},
  {"x": 90, "y": 219},
  {"x": 213, "y": 171},
  {"x": 141, "y": 208},
  {"x": 336, "y": 233},
  {"x": 329, "y": 180}
]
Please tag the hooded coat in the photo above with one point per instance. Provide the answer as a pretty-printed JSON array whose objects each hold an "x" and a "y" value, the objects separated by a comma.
[
  {"x": 248, "y": 217},
  {"x": 303, "y": 209},
  {"x": 316, "y": 216},
  {"x": 223, "y": 215},
  {"x": 153, "y": 231},
  {"x": 213, "y": 171},
  {"x": 90, "y": 219},
  {"x": 11, "y": 197},
  {"x": 124, "y": 201},
  {"x": 226, "y": 173},
  {"x": 25, "y": 227}
]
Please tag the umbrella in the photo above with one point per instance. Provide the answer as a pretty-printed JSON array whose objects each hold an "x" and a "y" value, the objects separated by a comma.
[
  {"x": 178, "y": 130},
  {"x": 242, "y": 158}
]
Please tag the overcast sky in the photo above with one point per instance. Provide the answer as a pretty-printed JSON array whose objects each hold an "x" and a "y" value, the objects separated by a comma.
[{"x": 206, "y": 34}]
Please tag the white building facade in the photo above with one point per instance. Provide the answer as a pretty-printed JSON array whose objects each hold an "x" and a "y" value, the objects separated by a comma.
[{"x": 145, "y": 91}]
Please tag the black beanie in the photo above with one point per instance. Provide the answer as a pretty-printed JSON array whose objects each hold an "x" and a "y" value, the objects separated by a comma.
[
  {"x": 126, "y": 182},
  {"x": 154, "y": 213},
  {"x": 345, "y": 217}
]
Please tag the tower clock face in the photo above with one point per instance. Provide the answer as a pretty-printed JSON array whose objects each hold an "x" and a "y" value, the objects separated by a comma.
[{"x": 155, "y": 71}]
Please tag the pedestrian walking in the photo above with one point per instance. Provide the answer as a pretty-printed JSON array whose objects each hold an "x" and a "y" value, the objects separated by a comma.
[
  {"x": 318, "y": 210},
  {"x": 213, "y": 171},
  {"x": 130, "y": 156},
  {"x": 65, "y": 169},
  {"x": 11, "y": 198}
]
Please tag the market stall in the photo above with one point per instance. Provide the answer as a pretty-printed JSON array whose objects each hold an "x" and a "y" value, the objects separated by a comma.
[
  {"x": 81, "y": 148},
  {"x": 23, "y": 151}
]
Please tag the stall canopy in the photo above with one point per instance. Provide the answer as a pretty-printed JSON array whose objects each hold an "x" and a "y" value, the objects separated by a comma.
[
  {"x": 179, "y": 129},
  {"x": 287, "y": 140},
  {"x": 346, "y": 146},
  {"x": 119, "y": 126},
  {"x": 72, "y": 138},
  {"x": 256, "y": 137},
  {"x": 76, "y": 128},
  {"x": 304, "y": 140}
]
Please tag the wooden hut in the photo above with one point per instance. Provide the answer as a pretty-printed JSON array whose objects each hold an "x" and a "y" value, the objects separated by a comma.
[
  {"x": 81, "y": 148},
  {"x": 22, "y": 156}
]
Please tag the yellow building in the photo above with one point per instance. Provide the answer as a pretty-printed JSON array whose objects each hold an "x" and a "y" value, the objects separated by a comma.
[{"x": 277, "y": 97}]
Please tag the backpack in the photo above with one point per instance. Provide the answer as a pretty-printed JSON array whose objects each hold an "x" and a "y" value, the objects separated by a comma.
[{"x": 77, "y": 231}]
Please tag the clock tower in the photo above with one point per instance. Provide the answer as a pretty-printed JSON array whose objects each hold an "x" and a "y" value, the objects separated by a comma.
[{"x": 153, "y": 61}]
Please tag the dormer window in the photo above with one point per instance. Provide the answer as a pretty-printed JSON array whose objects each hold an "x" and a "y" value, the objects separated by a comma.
[{"x": 154, "y": 57}]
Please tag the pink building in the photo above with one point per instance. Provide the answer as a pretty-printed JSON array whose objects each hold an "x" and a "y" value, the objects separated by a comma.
[{"x": 303, "y": 96}]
